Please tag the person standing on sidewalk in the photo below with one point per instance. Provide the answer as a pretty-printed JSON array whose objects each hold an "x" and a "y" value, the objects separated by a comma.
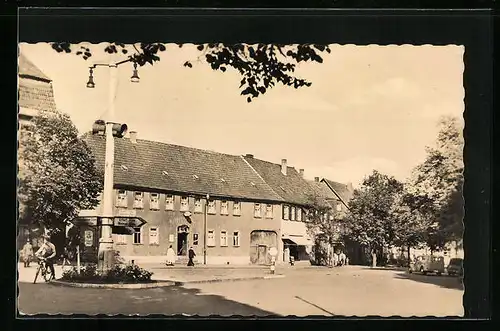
[
  {"x": 191, "y": 255},
  {"x": 170, "y": 256},
  {"x": 27, "y": 253}
]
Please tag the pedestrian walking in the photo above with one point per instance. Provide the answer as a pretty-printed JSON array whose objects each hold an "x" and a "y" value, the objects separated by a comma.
[
  {"x": 335, "y": 259},
  {"x": 27, "y": 253},
  {"x": 191, "y": 255},
  {"x": 170, "y": 256},
  {"x": 342, "y": 258}
]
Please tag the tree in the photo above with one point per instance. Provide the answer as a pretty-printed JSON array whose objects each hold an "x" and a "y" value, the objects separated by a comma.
[
  {"x": 261, "y": 66},
  {"x": 324, "y": 230},
  {"x": 440, "y": 178},
  {"x": 373, "y": 219},
  {"x": 57, "y": 173}
]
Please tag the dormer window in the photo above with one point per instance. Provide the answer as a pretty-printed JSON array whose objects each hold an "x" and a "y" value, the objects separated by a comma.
[
  {"x": 195, "y": 177},
  {"x": 197, "y": 206},
  {"x": 236, "y": 208},
  {"x": 223, "y": 180},
  {"x": 252, "y": 183},
  {"x": 164, "y": 173},
  {"x": 124, "y": 167},
  {"x": 269, "y": 211}
]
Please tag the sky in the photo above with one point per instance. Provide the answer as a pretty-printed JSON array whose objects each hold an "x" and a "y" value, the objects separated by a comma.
[{"x": 369, "y": 107}]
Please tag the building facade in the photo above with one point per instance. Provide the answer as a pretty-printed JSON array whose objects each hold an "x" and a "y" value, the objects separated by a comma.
[{"x": 180, "y": 192}]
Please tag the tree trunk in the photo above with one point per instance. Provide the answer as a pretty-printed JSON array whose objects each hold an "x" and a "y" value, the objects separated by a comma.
[
  {"x": 374, "y": 258},
  {"x": 409, "y": 256}
]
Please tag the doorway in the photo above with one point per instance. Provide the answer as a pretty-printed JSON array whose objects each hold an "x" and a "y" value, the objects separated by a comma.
[{"x": 182, "y": 240}]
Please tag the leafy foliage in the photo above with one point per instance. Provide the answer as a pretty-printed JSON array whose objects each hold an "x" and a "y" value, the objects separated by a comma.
[
  {"x": 118, "y": 274},
  {"x": 372, "y": 220},
  {"x": 261, "y": 66},
  {"x": 440, "y": 179},
  {"x": 57, "y": 172}
]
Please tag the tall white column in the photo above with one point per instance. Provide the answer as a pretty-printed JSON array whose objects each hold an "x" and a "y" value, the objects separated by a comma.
[{"x": 106, "y": 252}]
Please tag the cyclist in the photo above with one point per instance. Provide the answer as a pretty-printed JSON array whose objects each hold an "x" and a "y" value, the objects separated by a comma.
[{"x": 47, "y": 252}]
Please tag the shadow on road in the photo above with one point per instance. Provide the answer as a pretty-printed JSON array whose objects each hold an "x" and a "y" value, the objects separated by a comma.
[
  {"x": 442, "y": 281},
  {"x": 173, "y": 300}
]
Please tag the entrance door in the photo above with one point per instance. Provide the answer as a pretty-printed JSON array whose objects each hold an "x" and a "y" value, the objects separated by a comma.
[
  {"x": 262, "y": 254},
  {"x": 182, "y": 240}
]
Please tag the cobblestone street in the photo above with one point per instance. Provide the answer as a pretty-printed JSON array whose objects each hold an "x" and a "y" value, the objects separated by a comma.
[{"x": 348, "y": 291}]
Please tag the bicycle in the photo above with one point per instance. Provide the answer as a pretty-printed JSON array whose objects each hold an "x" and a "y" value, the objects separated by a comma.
[{"x": 46, "y": 273}]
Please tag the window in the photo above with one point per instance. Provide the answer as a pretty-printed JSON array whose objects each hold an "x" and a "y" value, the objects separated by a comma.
[
  {"x": 195, "y": 239},
  {"x": 169, "y": 202},
  {"x": 292, "y": 214},
  {"x": 121, "y": 198},
  {"x": 121, "y": 239},
  {"x": 236, "y": 238},
  {"x": 184, "y": 203},
  {"x": 269, "y": 211},
  {"x": 154, "y": 201},
  {"x": 299, "y": 214},
  {"x": 339, "y": 207},
  {"x": 138, "y": 199},
  {"x": 211, "y": 238},
  {"x": 211, "y": 207},
  {"x": 137, "y": 236},
  {"x": 224, "y": 208},
  {"x": 223, "y": 238},
  {"x": 256, "y": 210},
  {"x": 153, "y": 236},
  {"x": 236, "y": 208},
  {"x": 197, "y": 206},
  {"x": 286, "y": 212}
]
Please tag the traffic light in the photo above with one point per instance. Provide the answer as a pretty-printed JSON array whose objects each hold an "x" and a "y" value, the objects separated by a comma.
[
  {"x": 119, "y": 130},
  {"x": 99, "y": 127}
]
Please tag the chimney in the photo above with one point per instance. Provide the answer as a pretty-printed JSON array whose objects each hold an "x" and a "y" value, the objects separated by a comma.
[
  {"x": 283, "y": 166},
  {"x": 250, "y": 156},
  {"x": 301, "y": 173},
  {"x": 349, "y": 186},
  {"x": 133, "y": 137},
  {"x": 316, "y": 179}
]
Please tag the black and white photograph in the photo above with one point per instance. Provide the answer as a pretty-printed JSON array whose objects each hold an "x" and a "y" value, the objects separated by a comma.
[{"x": 240, "y": 179}]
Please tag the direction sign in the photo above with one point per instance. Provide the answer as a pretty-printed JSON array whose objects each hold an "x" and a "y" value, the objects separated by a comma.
[
  {"x": 131, "y": 222},
  {"x": 89, "y": 221},
  {"x": 126, "y": 213}
]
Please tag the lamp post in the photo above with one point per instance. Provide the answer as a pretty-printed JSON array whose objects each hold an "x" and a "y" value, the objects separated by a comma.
[
  {"x": 110, "y": 129},
  {"x": 205, "y": 231}
]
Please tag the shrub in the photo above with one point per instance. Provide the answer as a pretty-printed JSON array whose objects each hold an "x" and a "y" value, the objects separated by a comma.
[{"x": 119, "y": 274}]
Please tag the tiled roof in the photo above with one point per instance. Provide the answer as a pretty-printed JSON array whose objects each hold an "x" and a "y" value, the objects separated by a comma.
[
  {"x": 322, "y": 191},
  {"x": 291, "y": 187},
  {"x": 154, "y": 165},
  {"x": 35, "y": 89},
  {"x": 343, "y": 190},
  {"x": 28, "y": 70},
  {"x": 36, "y": 95}
]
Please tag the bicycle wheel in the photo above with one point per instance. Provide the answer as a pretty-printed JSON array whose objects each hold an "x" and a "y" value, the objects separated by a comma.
[
  {"x": 36, "y": 274},
  {"x": 47, "y": 275}
]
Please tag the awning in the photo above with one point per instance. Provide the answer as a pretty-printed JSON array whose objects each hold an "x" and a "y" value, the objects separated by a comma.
[{"x": 299, "y": 241}]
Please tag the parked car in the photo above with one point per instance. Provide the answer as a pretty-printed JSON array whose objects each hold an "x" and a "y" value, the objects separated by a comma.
[
  {"x": 428, "y": 264},
  {"x": 455, "y": 267}
]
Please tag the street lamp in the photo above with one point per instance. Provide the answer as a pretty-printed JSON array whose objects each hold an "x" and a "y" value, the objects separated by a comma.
[
  {"x": 205, "y": 230},
  {"x": 110, "y": 130}
]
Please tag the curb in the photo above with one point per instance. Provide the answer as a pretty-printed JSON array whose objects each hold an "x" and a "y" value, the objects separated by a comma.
[
  {"x": 219, "y": 280},
  {"x": 114, "y": 286},
  {"x": 160, "y": 283}
]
